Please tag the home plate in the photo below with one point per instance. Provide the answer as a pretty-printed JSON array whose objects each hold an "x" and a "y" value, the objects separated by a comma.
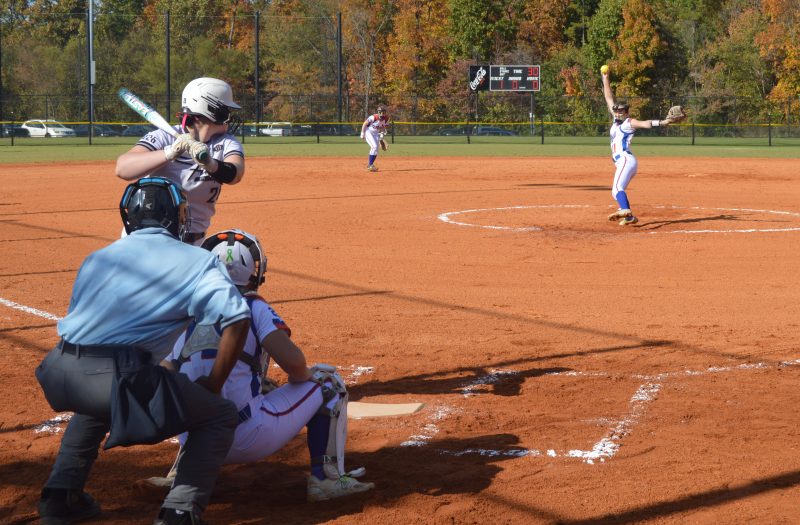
[{"x": 357, "y": 410}]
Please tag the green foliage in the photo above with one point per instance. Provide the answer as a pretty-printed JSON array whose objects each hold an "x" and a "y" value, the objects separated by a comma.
[
  {"x": 605, "y": 26},
  {"x": 486, "y": 28}
]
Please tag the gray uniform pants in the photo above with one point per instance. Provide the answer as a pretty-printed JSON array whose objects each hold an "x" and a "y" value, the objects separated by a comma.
[{"x": 83, "y": 384}]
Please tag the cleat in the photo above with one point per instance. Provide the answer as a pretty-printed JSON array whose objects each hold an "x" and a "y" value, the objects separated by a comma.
[
  {"x": 620, "y": 214},
  {"x": 322, "y": 490},
  {"x": 167, "y": 516},
  {"x": 372, "y": 167},
  {"x": 627, "y": 221},
  {"x": 62, "y": 507}
]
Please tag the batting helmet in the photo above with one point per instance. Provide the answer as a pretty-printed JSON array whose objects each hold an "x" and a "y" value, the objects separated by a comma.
[
  {"x": 155, "y": 202},
  {"x": 241, "y": 254},
  {"x": 210, "y": 97}
]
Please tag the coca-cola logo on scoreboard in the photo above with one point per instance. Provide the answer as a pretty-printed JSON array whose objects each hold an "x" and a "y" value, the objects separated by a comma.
[{"x": 479, "y": 78}]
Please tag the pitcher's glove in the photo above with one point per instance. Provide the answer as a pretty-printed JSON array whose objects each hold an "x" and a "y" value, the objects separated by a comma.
[{"x": 676, "y": 114}]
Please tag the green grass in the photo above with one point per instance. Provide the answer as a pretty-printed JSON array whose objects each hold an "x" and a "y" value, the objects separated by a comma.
[{"x": 29, "y": 150}]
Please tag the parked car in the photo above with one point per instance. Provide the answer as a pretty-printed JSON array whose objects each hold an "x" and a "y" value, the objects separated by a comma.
[
  {"x": 247, "y": 131},
  {"x": 448, "y": 132},
  {"x": 489, "y": 130},
  {"x": 7, "y": 130},
  {"x": 47, "y": 128},
  {"x": 137, "y": 130},
  {"x": 303, "y": 130},
  {"x": 100, "y": 130},
  {"x": 275, "y": 129}
]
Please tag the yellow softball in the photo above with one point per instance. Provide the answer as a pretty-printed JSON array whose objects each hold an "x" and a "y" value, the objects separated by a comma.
[{"x": 604, "y": 69}]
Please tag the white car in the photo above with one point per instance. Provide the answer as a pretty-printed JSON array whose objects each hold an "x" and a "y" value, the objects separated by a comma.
[
  {"x": 275, "y": 129},
  {"x": 47, "y": 128}
]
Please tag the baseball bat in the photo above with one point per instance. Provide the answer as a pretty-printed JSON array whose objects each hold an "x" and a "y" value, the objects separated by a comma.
[{"x": 151, "y": 115}]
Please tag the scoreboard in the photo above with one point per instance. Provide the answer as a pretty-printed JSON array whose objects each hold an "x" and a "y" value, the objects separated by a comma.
[{"x": 514, "y": 78}]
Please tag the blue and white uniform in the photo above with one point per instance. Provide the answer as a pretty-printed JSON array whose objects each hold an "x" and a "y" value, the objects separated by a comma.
[
  {"x": 267, "y": 421},
  {"x": 130, "y": 302},
  {"x": 621, "y": 137},
  {"x": 201, "y": 189}
]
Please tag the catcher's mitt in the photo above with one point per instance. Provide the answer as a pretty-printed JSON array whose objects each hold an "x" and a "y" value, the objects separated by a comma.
[{"x": 676, "y": 113}]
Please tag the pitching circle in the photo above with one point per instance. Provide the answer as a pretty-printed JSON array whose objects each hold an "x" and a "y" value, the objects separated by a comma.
[{"x": 458, "y": 218}]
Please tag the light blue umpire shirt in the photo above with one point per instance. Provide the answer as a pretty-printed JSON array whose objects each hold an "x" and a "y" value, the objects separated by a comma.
[{"x": 144, "y": 289}]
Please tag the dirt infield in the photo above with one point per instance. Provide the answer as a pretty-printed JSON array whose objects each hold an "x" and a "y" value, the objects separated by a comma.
[{"x": 573, "y": 371}]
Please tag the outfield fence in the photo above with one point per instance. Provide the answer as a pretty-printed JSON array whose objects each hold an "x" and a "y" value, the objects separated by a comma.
[{"x": 499, "y": 116}]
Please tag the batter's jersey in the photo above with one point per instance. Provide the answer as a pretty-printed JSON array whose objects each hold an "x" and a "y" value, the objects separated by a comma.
[
  {"x": 243, "y": 384},
  {"x": 621, "y": 137},
  {"x": 201, "y": 189},
  {"x": 144, "y": 289},
  {"x": 377, "y": 125}
]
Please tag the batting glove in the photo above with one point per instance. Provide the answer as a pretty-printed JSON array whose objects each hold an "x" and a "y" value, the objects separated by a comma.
[
  {"x": 181, "y": 144},
  {"x": 199, "y": 152}
]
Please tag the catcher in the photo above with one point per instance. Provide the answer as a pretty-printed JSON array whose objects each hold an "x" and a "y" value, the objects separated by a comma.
[
  {"x": 621, "y": 132},
  {"x": 270, "y": 416},
  {"x": 373, "y": 130}
]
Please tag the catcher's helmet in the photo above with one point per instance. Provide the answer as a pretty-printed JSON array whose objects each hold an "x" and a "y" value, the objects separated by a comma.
[
  {"x": 241, "y": 254},
  {"x": 155, "y": 202},
  {"x": 209, "y": 97}
]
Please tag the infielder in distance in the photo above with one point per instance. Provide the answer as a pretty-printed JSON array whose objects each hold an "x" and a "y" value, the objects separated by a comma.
[
  {"x": 373, "y": 130},
  {"x": 315, "y": 397},
  {"x": 622, "y": 131},
  {"x": 130, "y": 302},
  {"x": 206, "y": 124}
]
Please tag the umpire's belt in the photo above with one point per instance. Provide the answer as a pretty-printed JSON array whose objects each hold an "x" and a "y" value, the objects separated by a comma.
[
  {"x": 98, "y": 350},
  {"x": 191, "y": 238}
]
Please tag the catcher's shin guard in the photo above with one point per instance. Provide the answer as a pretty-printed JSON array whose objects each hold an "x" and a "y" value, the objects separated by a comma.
[{"x": 334, "y": 405}]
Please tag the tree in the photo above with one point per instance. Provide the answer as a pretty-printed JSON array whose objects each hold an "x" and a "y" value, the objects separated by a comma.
[
  {"x": 579, "y": 12},
  {"x": 780, "y": 46},
  {"x": 487, "y": 28},
  {"x": 604, "y": 28},
  {"x": 637, "y": 50},
  {"x": 416, "y": 56},
  {"x": 367, "y": 26},
  {"x": 541, "y": 29}
]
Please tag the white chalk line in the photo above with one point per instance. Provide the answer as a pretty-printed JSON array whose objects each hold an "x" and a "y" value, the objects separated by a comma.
[
  {"x": 29, "y": 310},
  {"x": 609, "y": 444},
  {"x": 602, "y": 450},
  {"x": 446, "y": 217}
]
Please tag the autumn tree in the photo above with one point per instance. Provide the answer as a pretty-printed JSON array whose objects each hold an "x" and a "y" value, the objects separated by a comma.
[
  {"x": 413, "y": 68},
  {"x": 732, "y": 67},
  {"x": 367, "y": 24},
  {"x": 638, "y": 52},
  {"x": 541, "y": 28},
  {"x": 780, "y": 46}
]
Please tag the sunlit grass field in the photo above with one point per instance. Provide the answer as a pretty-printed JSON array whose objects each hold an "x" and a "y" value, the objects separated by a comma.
[{"x": 50, "y": 150}]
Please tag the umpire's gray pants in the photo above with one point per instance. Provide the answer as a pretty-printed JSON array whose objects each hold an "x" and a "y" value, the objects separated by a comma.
[{"x": 87, "y": 381}]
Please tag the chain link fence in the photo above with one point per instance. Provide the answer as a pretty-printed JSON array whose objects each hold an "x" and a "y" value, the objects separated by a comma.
[{"x": 506, "y": 115}]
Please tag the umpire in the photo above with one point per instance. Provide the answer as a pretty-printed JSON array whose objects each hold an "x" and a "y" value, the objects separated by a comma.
[{"x": 130, "y": 301}]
